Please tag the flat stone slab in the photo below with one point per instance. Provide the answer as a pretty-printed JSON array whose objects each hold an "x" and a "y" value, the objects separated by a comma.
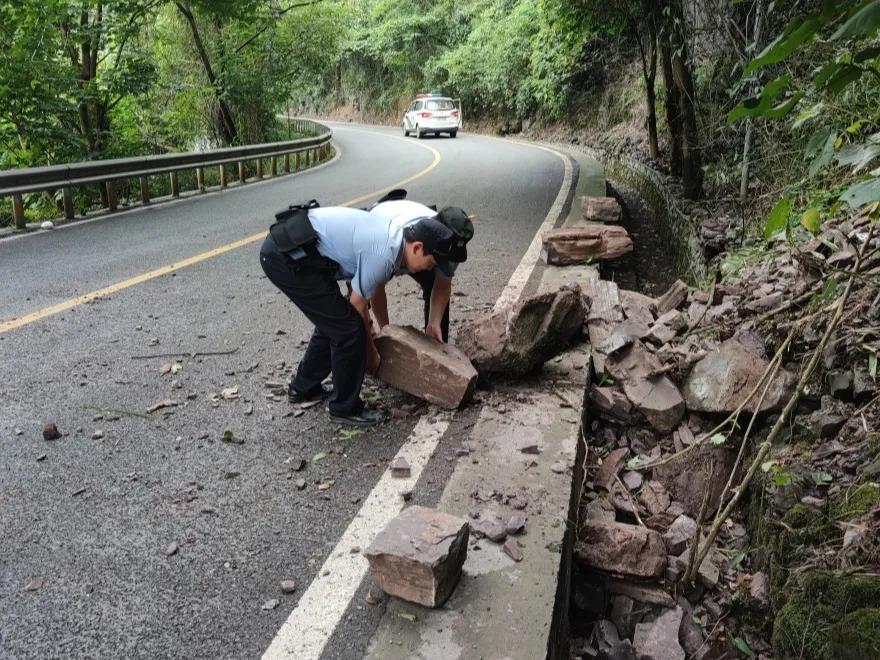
[
  {"x": 424, "y": 367},
  {"x": 575, "y": 245},
  {"x": 623, "y": 549},
  {"x": 419, "y": 555}
]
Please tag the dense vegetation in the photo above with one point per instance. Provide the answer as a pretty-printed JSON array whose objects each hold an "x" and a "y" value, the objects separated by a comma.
[{"x": 96, "y": 79}]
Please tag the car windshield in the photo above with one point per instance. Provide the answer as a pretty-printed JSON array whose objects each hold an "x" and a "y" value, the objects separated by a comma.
[{"x": 439, "y": 104}]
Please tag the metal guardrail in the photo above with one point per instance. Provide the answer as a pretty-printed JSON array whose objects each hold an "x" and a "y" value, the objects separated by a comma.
[{"x": 305, "y": 152}]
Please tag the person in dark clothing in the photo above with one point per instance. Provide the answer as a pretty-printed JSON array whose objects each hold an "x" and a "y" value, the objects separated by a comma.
[{"x": 346, "y": 244}]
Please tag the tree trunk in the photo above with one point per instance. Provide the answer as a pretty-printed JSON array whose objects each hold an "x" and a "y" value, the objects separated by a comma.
[
  {"x": 649, "y": 70},
  {"x": 747, "y": 143},
  {"x": 673, "y": 115},
  {"x": 227, "y": 130},
  {"x": 691, "y": 162}
]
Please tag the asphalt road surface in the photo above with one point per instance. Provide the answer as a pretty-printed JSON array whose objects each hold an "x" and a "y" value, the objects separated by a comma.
[{"x": 145, "y": 534}]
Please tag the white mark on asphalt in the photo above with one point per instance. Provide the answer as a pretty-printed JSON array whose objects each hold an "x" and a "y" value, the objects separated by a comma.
[
  {"x": 511, "y": 293},
  {"x": 312, "y": 622}
]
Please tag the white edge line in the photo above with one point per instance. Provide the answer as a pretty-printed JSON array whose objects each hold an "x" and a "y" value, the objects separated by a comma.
[
  {"x": 308, "y": 628},
  {"x": 512, "y": 292}
]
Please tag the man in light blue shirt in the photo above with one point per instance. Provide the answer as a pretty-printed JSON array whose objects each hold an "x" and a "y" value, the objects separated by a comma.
[{"x": 306, "y": 254}]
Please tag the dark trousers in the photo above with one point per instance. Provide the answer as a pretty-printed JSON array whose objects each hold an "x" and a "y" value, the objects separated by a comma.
[
  {"x": 426, "y": 281},
  {"x": 339, "y": 342}
]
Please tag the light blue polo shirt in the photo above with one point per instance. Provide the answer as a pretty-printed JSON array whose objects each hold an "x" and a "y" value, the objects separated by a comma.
[{"x": 367, "y": 248}]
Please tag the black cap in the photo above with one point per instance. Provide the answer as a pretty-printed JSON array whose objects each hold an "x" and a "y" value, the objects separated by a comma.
[
  {"x": 460, "y": 223},
  {"x": 434, "y": 235}
]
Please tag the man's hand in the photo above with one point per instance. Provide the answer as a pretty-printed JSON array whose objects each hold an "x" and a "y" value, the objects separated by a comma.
[{"x": 433, "y": 330}]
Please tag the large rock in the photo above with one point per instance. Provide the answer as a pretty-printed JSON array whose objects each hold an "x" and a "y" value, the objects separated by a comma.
[
  {"x": 567, "y": 246},
  {"x": 658, "y": 640},
  {"x": 674, "y": 296},
  {"x": 687, "y": 478},
  {"x": 420, "y": 365},
  {"x": 656, "y": 397},
  {"x": 600, "y": 209},
  {"x": 722, "y": 380},
  {"x": 605, "y": 312},
  {"x": 518, "y": 341},
  {"x": 419, "y": 555},
  {"x": 624, "y": 549}
]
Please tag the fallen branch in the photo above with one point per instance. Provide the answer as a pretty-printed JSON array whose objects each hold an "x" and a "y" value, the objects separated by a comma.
[
  {"x": 688, "y": 577},
  {"x": 189, "y": 355},
  {"x": 117, "y": 411},
  {"x": 631, "y": 500}
]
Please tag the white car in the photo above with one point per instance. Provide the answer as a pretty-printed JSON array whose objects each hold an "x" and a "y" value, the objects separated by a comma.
[{"x": 432, "y": 113}]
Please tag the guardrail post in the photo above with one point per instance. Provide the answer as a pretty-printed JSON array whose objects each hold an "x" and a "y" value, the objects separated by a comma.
[
  {"x": 145, "y": 190},
  {"x": 274, "y": 169},
  {"x": 18, "y": 211},
  {"x": 200, "y": 178},
  {"x": 223, "y": 183},
  {"x": 68, "y": 202},
  {"x": 286, "y": 163},
  {"x": 111, "y": 195},
  {"x": 241, "y": 177},
  {"x": 175, "y": 184},
  {"x": 259, "y": 168}
]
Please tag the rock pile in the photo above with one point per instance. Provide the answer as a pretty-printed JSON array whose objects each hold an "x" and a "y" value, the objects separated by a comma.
[{"x": 678, "y": 383}]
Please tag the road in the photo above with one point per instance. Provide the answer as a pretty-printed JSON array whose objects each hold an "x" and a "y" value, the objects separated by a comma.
[{"x": 146, "y": 535}]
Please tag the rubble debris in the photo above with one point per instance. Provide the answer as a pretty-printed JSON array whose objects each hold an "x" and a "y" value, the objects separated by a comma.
[
  {"x": 569, "y": 246},
  {"x": 416, "y": 363},
  {"x": 516, "y": 523},
  {"x": 687, "y": 478},
  {"x": 601, "y": 209},
  {"x": 674, "y": 296},
  {"x": 488, "y": 528},
  {"x": 680, "y": 534},
  {"x": 608, "y": 470},
  {"x": 658, "y": 640},
  {"x": 621, "y": 548},
  {"x": 419, "y": 555},
  {"x": 656, "y": 397},
  {"x": 515, "y": 342},
  {"x": 512, "y": 549}
]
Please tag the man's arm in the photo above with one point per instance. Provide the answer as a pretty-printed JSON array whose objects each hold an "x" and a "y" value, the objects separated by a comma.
[
  {"x": 362, "y": 307},
  {"x": 379, "y": 303},
  {"x": 440, "y": 295}
]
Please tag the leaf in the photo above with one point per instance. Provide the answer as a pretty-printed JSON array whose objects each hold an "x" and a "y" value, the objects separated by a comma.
[
  {"x": 811, "y": 221},
  {"x": 822, "y": 75},
  {"x": 817, "y": 141},
  {"x": 320, "y": 456},
  {"x": 855, "y": 127},
  {"x": 858, "y": 155},
  {"x": 866, "y": 54},
  {"x": 863, "y": 22},
  {"x": 176, "y": 367},
  {"x": 718, "y": 439},
  {"x": 840, "y": 80},
  {"x": 825, "y": 155},
  {"x": 872, "y": 365},
  {"x": 412, "y": 618},
  {"x": 829, "y": 291},
  {"x": 822, "y": 478},
  {"x": 862, "y": 193},
  {"x": 778, "y": 218},
  {"x": 759, "y": 106},
  {"x": 808, "y": 114},
  {"x": 633, "y": 463},
  {"x": 766, "y": 465},
  {"x": 229, "y": 436},
  {"x": 743, "y": 646},
  {"x": 782, "y": 109},
  {"x": 230, "y": 393},
  {"x": 785, "y": 44},
  {"x": 348, "y": 434}
]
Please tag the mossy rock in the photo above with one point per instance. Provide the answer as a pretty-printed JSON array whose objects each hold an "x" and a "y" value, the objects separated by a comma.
[
  {"x": 817, "y": 604},
  {"x": 803, "y": 527},
  {"x": 856, "y": 636},
  {"x": 854, "y": 503}
]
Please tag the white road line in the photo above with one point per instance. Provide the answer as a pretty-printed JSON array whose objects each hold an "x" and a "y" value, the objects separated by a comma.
[
  {"x": 511, "y": 293},
  {"x": 312, "y": 622},
  {"x": 308, "y": 628}
]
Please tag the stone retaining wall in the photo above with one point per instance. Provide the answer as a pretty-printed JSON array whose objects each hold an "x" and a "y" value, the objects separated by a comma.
[{"x": 681, "y": 228}]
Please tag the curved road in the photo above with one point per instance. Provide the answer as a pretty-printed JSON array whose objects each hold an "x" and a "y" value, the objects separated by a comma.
[{"x": 89, "y": 521}]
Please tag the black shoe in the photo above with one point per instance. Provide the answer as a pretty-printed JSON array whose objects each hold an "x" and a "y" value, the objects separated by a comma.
[
  {"x": 315, "y": 394},
  {"x": 366, "y": 417}
]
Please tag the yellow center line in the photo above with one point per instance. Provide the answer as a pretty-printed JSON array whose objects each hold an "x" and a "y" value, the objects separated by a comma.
[{"x": 14, "y": 323}]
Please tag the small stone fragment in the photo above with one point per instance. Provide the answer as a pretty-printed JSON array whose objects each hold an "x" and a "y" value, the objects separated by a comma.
[
  {"x": 658, "y": 640},
  {"x": 34, "y": 585},
  {"x": 172, "y": 549},
  {"x": 51, "y": 432},
  {"x": 288, "y": 586},
  {"x": 680, "y": 534},
  {"x": 516, "y": 523},
  {"x": 530, "y": 447},
  {"x": 270, "y": 604},
  {"x": 759, "y": 593},
  {"x": 98, "y": 434},
  {"x": 300, "y": 484},
  {"x": 491, "y": 529},
  {"x": 400, "y": 468},
  {"x": 512, "y": 549}
]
